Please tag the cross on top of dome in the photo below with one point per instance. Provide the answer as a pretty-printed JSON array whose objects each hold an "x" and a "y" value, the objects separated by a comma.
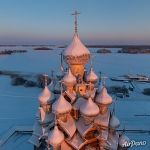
[{"x": 75, "y": 14}]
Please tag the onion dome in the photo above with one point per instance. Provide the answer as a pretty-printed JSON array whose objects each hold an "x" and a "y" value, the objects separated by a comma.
[
  {"x": 92, "y": 77},
  {"x": 61, "y": 106},
  {"x": 103, "y": 97},
  {"x": 76, "y": 52},
  {"x": 124, "y": 141},
  {"x": 55, "y": 137},
  {"x": 89, "y": 108},
  {"x": 69, "y": 78},
  {"x": 46, "y": 96},
  {"x": 114, "y": 122}
]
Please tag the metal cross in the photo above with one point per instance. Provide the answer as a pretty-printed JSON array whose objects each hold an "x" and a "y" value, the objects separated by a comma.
[
  {"x": 45, "y": 78},
  {"x": 75, "y": 14}
]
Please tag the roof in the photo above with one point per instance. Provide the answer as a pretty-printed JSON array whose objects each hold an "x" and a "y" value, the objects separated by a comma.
[
  {"x": 46, "y": 117},
  {"x": 76, "y": 141},
  {"x": 34, "y": 139},
  {"x": 124, "y": 141},
  {"x": 69, "y": 78},
  {"x": 37, "y": 129},
  {"x": 69, "y": 126},
  {"x": 103, "y": 97},
  {"x": 89, "y": 108},
  {"x": 103, "y": 135},
  {"x": 76, "y": 48},
  {"x": 65, "y": 146},
  {"x": 91, "y": 77},
  {"x": 103, "y": 119},
  {"x": 113, "y": 141},
  {"x": 61, "y": 106},
  {"x": 79, "y": 102},
  {"x": 83, "y": 128},
  {"x": 114, "y": 122},
  {"x": 55, "y": 137}
]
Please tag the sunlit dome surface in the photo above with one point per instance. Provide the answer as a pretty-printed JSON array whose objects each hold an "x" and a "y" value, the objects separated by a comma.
[
  {"x": 61, "y": 106},
  {"x": 69, "y": 78},
  {"x": 103, "y": 97},
  {"x": 92, "y": 76},
  {"x": 76, "y": 48},
  {"x": 89, "y": 108},
  {"x": 45, "y": 96},
  {"x": 55, "y": 137}
]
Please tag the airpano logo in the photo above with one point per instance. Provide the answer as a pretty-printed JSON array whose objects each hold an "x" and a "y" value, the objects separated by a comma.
[{"x": 134, "y": 143}]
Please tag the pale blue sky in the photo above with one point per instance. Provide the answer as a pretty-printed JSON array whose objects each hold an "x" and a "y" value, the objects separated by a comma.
[{"x": 49, "y": 21}]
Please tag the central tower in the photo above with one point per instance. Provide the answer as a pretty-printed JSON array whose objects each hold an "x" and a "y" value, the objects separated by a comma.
[{"x": 76, "y": 54}]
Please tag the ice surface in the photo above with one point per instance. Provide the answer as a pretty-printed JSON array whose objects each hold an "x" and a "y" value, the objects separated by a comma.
[{"x": 18, "y": 105}]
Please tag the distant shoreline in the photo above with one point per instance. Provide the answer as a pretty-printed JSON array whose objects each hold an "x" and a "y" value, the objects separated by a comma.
[{"x": 89, "y": 46}]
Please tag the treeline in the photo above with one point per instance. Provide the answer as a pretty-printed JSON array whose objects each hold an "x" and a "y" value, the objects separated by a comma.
[
  {"x": 134, "y": 51},
  {"x": 9, "y": 52}
]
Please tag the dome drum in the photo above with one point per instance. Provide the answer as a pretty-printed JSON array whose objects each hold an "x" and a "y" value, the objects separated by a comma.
[
  {"x": 77, "y": 60},
  {"x": 103, "y": 108}
]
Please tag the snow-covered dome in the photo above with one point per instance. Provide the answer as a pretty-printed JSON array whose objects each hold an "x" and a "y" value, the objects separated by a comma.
[
  {"x": 76, "y": 48},
  {"x": 69, "y": 78},
  {"x": 89, "y": 108},
  {"x": 103, "y": 97},
  {"x": 61, "y": 106},
  {"x": 76, "y": 52},
  {"x": 92, "y": 77},
  {"x": 55, "y": 137},
  {"x": 124, "y": 141},
  {"x": 46, "y": 96},
  {"x": 114, "y": 122}
]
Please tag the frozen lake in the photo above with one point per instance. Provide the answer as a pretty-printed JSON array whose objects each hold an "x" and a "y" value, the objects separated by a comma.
[{"x": 19, "y": 104}]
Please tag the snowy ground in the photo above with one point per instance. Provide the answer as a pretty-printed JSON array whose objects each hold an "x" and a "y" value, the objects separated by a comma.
[{"x": 19, "y": 104}]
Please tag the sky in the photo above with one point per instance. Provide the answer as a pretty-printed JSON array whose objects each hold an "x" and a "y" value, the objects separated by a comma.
[{"x": 50, "y": 21}]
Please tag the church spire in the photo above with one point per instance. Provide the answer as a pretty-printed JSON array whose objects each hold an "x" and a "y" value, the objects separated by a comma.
[{"x": 75, "y": 14}]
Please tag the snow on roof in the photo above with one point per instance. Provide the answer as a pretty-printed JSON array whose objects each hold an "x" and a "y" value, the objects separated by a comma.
[
  {"x": 123, "y": 140},
  {"x": 69, "y": 78},
  {"x": 76, "y": 48},
  {"x": 76, "y": 142},
  {"x": 89, "y": 108},
  {"x": 34, "y": 140},
  {"x": 61, "y": 105},
  {"x": 65, "y": 146},
  {"x": 83, "y": 128},
  {"x": 104, "y": 97},
  {"x": 46, "y": 96},
  {"x": 37, "y": 129},
  {"x": 46, "y": 117},
  {"x": 114, "y": 122},
  {"x": 55, "y": 137},
  {"x": 69, "y": 126},
  {"x": 92, "y": 76},
  {"x": 103, "y": 119},
  {"x": 112, "y": 141}
]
